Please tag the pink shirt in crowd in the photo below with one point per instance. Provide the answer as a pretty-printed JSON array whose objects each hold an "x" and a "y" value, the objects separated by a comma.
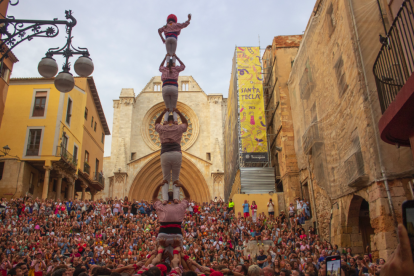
[
  {"x": 174, "y": 27},
  {"x": 171, "y": 212},
  {"x": 171, "y": 133},
  {"x": 173, "y": 75},
  {"x": 38, "y": 266}
]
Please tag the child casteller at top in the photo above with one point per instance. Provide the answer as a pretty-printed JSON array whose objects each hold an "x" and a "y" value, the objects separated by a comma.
[{"x": 171, "y": 31}]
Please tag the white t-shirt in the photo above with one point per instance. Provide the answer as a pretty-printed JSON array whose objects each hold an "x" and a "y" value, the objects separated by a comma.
[
  {"x": 299, "y": 205},
  {"x": 270, "y": 207}
]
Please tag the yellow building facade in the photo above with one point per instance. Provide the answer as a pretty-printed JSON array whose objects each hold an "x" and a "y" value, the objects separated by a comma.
[{"x": 56, "y": 140}]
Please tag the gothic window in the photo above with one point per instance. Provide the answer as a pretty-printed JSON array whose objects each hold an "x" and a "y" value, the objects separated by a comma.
[
  {"x": 157, "y": 86},
  {"x": 184, "y": 86}
]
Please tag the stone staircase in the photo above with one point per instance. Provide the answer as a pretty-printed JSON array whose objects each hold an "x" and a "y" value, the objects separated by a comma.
[{"x": 307, "y": 224}]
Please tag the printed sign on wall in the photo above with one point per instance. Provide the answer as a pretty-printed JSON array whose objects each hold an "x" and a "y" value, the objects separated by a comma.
[{"x": 252, "y": 113}]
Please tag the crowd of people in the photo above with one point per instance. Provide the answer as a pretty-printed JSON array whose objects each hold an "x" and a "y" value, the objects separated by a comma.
[{"x": 119, "y": 237}]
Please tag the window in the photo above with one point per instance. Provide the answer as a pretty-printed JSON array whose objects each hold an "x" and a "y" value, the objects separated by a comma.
[
  {"x": 1, "y": 169},
  {"x": 340, "y": 76},
  {"x": 157, "y": 86},
  {"x": 103, "y": 137},
  {"x": 92, "y": 122},
  {"x": 69, "y": 111},
  {"x": 5, "y": 73},
  {"x": 75, "y": 153},
  {"x": 96, "y": 168},
  {"x": 94, "y": 128},
  {"x": 306, "y": 84},
  {"x": 208, "y": 156},
  {"x": 184, "y": 86},
  {"x": 64, "y": 141},
  {"x": 86, "y": 114},
  {"x": 31, "y": 186},
  {"x": 39, "y": 104},
  {"x": 33, "y": 144},
  {"x": 133, "y": 155},
  {"x": 86, "y": 167},
  {"x": 86, "y": 157}
]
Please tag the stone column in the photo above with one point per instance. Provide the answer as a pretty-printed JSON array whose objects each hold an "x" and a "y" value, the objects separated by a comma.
[
  {"x": 46, "y": 182},
  {"x": 70, "y": 190},
  {"x": 73, "y": 190},
  {"x": 93, "y": 193},
  {"x": 83, "y": 191},
  {"x": 59, "y": 187}
]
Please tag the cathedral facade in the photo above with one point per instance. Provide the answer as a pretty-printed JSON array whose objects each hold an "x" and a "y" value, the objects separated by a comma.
[{"x": 134, "y": 167}]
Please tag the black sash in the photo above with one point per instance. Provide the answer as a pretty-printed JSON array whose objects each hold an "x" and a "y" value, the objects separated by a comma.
[{"x": 166, "y": 147}]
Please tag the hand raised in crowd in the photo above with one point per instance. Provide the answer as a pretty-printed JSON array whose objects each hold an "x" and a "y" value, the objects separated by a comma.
[{"x": 401, "y": 261}]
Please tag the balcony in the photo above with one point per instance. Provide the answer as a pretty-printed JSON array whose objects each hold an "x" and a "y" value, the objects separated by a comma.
[
  {"x": 310, "y": 138},
  {"x": 86, "y": 168},
  {"x": 98, "y": 177},
  {"x": 355, "y": 170},
  {"x": 393, "y": 71},
  {"x": 66, "y": 156}
]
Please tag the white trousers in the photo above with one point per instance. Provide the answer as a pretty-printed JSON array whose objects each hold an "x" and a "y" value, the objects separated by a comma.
[
  {"x": 171, "y": 46},
  {"x": 170, "y": 96},
  {"x": 171, "y": 166},
  {"x": 164, "y": 192}
]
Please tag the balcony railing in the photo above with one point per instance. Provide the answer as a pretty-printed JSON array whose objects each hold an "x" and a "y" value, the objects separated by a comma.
[
  {"x": 395, "y": 62},
  {"x": 311, "y": 137},
  {"x": 65, "y": 155},
  {"x": 99, "y": 177},
  {"x": 86, "y": 168}
]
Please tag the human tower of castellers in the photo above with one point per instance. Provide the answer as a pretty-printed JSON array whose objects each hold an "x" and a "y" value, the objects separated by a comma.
[{"x": 170, "y": 210}]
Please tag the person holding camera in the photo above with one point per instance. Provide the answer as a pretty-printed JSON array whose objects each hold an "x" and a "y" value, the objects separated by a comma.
[{"x": 271, "y": 208}]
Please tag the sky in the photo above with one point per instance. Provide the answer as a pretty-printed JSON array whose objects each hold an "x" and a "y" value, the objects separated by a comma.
[{"x": 126, "y": 49}]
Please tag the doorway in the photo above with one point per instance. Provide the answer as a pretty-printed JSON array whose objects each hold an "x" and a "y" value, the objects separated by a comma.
[{"x": 360, "y": 221}]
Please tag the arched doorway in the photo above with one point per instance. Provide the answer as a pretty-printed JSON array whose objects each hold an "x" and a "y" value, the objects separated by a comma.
[
  {"x": 150, "y": 175},
  {"x": 360, "y": 222}
]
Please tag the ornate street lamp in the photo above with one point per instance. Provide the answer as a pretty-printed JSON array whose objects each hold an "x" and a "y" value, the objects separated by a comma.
[
  {"x": 6, "y": 150},
  {"x": 47, "y": 67},
  {"x": 11, "y": 3}
]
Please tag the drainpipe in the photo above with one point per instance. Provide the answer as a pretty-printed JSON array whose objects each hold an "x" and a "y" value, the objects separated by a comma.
[
  {"x": 312, "y": 194},
  {"x": 367, "y": 94}
]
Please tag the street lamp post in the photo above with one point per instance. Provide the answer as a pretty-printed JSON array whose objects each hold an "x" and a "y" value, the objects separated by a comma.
[
  {"x": 11, "y": 3},
  {"x": 6, "y": 151},
  {"x": 47, "y": 67}
]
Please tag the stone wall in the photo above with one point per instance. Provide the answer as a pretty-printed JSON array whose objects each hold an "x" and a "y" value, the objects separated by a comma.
[
  {"x": 16, "y": 178},
  {"x": 277, "y": 64},
  {"x": 335, "y": 111}
]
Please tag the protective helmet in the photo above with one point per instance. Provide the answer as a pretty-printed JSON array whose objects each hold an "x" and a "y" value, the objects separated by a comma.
[{"x": 172, "y": 17}]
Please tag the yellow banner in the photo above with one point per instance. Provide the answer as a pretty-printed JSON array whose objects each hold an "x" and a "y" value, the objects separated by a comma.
[{"x": 251, "y": 103}]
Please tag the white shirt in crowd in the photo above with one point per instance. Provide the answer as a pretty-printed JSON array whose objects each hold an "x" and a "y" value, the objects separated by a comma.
[{"x": 270, "y": 206}]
